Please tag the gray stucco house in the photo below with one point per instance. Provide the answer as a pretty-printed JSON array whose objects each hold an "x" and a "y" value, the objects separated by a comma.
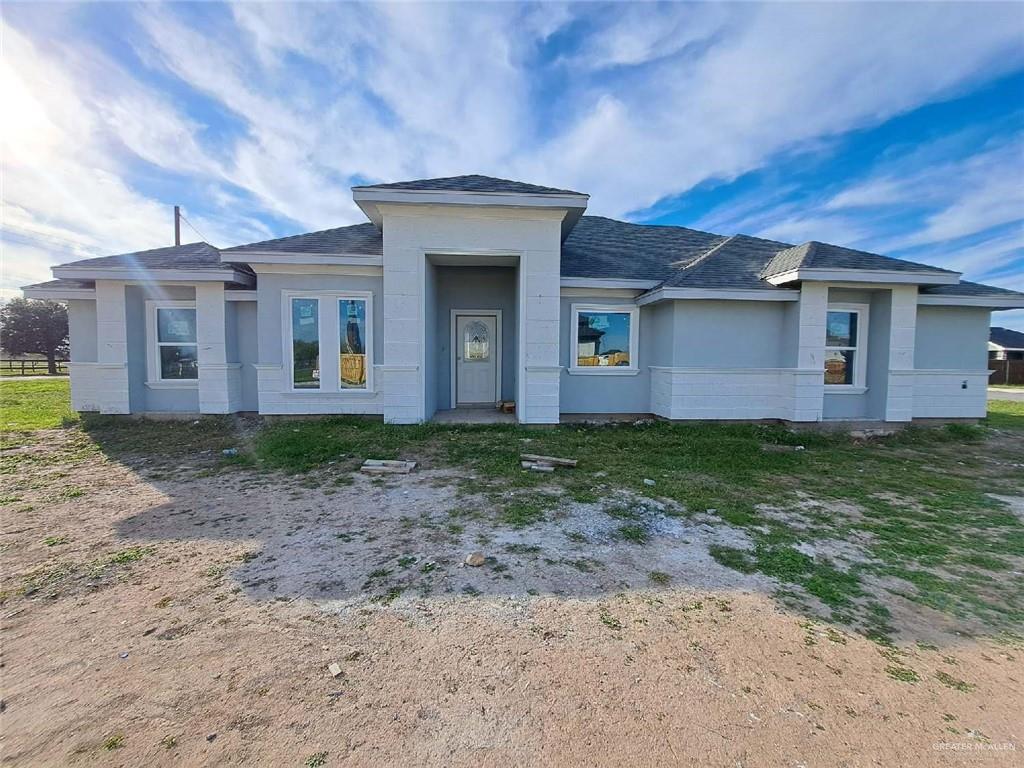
[{"x": 461, "y": 292}]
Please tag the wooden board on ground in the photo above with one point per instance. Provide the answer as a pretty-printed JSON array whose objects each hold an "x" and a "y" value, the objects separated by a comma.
[
  {"x": 552, "y": 460},
  {"x": 387, "y": 467}
]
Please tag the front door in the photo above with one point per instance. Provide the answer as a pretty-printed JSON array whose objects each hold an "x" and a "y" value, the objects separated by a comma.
[{"x": 476, "y": 356}]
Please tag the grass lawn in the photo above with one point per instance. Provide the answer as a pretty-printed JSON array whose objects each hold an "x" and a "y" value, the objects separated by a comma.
[{"x": 36, "y": 404}]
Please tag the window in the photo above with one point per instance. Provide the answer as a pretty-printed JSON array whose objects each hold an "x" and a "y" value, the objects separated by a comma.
[
  {"x": 605, "y": 340},
  {"x": 476, "y": 341},
  {"x": 328, "y": 320},
  {"x": 174, "y": 351},
  {"x": 352, "y": 322},
  {"x": 305, "y": 343},
  {"x": 845, "y": 346}
]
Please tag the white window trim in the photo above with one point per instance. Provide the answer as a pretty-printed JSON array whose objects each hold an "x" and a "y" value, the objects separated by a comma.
[
  {"x": 154, "y": 380},
  {"x": 860, "y": 363},
  {"x": 330, "y": 338},
  {"x": 634, "y": 337}
]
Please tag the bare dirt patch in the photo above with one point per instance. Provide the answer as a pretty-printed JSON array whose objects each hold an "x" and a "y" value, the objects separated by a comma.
[{"x": 166, "y": 615}]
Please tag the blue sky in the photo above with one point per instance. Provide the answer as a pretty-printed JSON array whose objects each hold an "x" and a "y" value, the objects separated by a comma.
[{"x": 897, "y": 128}]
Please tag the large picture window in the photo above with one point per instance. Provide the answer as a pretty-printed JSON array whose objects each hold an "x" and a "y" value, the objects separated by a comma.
[
  {"x": 319, "y": 322},
  {"x": 845, "y": 346},
  {"x": 173, "y": 346},
  {"x": 352, "y": 362},
  {"x": 605, "y": 339},
  {"x": 305, "y": 343}
]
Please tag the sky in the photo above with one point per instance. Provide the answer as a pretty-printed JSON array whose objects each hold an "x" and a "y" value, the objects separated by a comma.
[{"x": 894, "y": 128}]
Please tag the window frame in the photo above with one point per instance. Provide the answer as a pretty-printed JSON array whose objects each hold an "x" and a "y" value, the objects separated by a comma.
[
  {"x": 154, "y": 373},
  {"x": 860, "y": 349},
  {"x": 634, "y": 340},
  {"x": 329, "y": 325}
]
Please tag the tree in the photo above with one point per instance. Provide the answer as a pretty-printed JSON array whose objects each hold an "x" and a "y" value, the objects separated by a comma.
[{"x": 31, "y": 326}]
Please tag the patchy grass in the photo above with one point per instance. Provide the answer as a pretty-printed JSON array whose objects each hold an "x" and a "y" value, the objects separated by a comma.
[
  {"x": 1005, "y": 414},
  {"x": 29, "y": 405},
  {"x": 952, "y": 682},
  {"x": 902, "y": 673}
]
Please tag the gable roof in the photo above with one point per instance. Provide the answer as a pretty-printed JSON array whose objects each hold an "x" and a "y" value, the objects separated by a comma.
[
  {"x": 472, "y": 183},
  {"x": 816, "y": 255},
  {"x": 601, "y": 247},
  {"x": 1006, "y": 338},
  {"x": 364, "y": 239}
]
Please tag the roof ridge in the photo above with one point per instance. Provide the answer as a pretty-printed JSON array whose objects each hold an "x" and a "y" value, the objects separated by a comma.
[{"x": 702, "y": 257}]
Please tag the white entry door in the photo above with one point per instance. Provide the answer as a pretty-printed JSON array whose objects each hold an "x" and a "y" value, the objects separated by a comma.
[{"x": 476, "y": 359}]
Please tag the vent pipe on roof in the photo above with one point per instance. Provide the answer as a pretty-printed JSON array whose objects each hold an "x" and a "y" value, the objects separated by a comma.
[{"x": 177, "y": 225}]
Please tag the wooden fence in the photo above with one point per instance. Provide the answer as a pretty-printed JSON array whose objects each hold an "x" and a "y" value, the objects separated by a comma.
[
  {"x": 11, "y": 367},
  {"x": 1006, "y": 372}
]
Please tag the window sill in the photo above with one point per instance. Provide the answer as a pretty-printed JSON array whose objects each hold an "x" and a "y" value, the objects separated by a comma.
[
  {"x": 842, "y": 389},
  {"x": 605, "y": 370},
  {"x": 184, "y": 384}
]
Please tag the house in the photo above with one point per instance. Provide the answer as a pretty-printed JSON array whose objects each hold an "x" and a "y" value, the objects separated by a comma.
[
  {"x": 460, "y": 292},
  {"x": 1005, "y": 344}
]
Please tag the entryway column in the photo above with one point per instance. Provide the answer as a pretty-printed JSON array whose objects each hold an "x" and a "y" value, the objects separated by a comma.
[
  {"x": 539, "y": 311},
  {"x": 220, "y": 384},
  {"x": 809, "y": 378},
  {"x": 899, "y": 403},
  {"x": 112, "y": 347}
]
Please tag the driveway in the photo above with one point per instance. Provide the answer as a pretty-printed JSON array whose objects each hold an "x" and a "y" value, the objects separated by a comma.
[{"x": 1006, "y": 393}]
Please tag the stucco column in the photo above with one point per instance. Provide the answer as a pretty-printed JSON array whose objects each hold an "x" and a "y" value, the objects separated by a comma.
[
  {"x": 539, "y": 315},
  {"x": 219, "y": 380},
  {"x": 899, "y": 403},
  {"x": 112, "y": 347},
  {"x": 403, "y": 334},
  {"x": 809, "y": 378}
]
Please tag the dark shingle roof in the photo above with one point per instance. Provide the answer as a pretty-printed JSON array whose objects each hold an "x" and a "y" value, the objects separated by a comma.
[
  {"x": 824, "y": 255},
  {"x": 62, "y": 283},
  {"x": 364, "y": 239},
  {"x": 967, "y": 288},
  {"x": 1006, "y": 338},
  {"x": 600, "y": 247},
  {"x": 472, "y": 183},
  {"x": 190, "y": 256},
  {"x": 735, "y": 263}
]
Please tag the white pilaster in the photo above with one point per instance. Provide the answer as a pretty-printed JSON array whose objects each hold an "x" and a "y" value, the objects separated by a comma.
[
  {"x": 899, "y": 402},
  {"x": 809, "y": 378},
  {"x": 112, "y": 347},
  {"x": 219, "y": 379},
  {"x": 404, "y": 328},
  {"x": 539, "y": 308}
]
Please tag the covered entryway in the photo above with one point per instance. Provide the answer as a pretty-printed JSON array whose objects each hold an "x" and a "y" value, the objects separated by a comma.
[
  {"x": 476, "y": 358},
  {"x": 471, "y": 317}
]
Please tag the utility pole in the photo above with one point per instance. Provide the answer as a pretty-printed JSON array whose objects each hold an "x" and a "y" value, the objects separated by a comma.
[{"x": 177, "y": 225}]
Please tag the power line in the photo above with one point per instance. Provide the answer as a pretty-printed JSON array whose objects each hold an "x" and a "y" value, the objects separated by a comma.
[{"x": 182, "y": 217}]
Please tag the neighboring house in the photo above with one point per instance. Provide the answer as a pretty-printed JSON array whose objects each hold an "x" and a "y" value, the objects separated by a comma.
[
  {"x": 460, "y": 292},
  {"x": 1004, "y": 344}
]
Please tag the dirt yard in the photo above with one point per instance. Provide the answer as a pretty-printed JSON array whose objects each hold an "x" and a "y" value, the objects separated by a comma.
[{"x": 177, "y": 615}]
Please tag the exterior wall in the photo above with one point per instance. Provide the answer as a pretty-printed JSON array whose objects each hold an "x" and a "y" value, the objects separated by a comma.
[
  {"x": 468, "y": 288},
  {"x": 144, "y": 396},
  {"x": 871, "y": 403},
  {"x": 112, "y": 347},
  {"x": 722, "y": 360},
  {"x": 243, "y": 347},
  {"x": 533, "y": 236},
  {"x": 86, "y": 382},
  {"x": 612, "y": 393},
  {"x": 272, "y": 370},
  {"x": 950, "y": 361}
]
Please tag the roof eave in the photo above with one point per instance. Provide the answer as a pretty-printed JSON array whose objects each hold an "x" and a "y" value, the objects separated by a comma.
[
  {"x": 840, "y": 275},
  {"x": 155, "y": 275},
  {"x": 995, "y": 302}
]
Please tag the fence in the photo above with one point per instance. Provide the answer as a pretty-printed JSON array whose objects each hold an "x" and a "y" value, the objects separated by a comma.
[
  {"x": 10, "y": 367},
  {"x": 1006, "y": 372}
]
